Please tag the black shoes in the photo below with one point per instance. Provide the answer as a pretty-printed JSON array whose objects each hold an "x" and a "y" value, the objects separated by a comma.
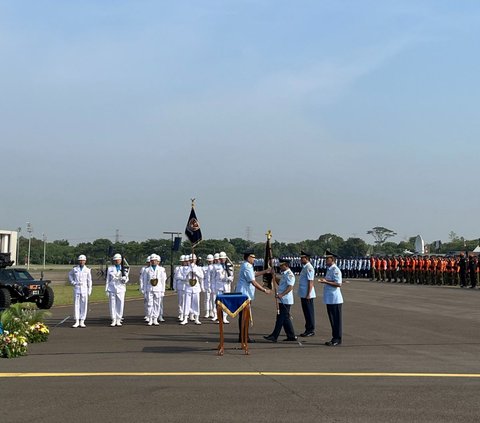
[
  {"x": 273, "y": 339},
  {"x": 249, "y": 340},
  {"x": 333, "y": 343},
  {"x": 306, "y": 334}
]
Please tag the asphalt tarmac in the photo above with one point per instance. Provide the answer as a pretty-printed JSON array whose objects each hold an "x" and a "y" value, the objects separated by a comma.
[{"x": 409, "y": 354}]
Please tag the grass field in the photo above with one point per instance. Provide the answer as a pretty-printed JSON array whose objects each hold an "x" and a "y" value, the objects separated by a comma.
[
  {"x": 58, "y": 275},
  {"x": 64, "y": 294}
]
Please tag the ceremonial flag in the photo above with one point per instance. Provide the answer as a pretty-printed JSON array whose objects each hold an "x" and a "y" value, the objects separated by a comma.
[
  {"x": 267, "y": 263},
  {"x": 192, "y": 231}
]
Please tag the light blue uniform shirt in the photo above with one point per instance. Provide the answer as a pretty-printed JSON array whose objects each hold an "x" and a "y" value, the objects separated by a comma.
[
  {"x": 331, "y": 294},
  {"x": 307, "y": 274},
  {"x": 287, "y": 279},
  {"x": 245, "y": 278}
]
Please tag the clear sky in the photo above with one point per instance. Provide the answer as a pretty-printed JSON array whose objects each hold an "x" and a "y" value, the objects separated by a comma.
[{"x": 303, "y": 117}]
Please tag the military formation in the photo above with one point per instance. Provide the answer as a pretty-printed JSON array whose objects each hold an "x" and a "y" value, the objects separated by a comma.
[
  {"x": 350, "y": 267},
  {"x": 213, "y": 278},
  {"x": 197, "y": 285},
  {"x": 459, "y": 270},
  {"x": 462, "y": 269}
]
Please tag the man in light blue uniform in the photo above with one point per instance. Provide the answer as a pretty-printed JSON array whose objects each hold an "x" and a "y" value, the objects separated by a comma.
[
  {"x": 332, "y": 298},
  {"x": 247, "y": 284},
  {"x": 285, "y": 298},
  {"x": 306, "y": 292}
]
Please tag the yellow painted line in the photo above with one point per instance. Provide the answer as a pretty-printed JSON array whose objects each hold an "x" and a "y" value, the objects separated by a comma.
[{"x": 237, "y": 374}]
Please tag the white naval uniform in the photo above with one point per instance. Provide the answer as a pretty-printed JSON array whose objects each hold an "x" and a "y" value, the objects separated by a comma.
[
  {"x": 81, "y": 279},
  {"x": 115, "y": 286},
  {"x": 191, "y": 303},
  {"x": 179, "y": 286},
  {"x": 155, "y": 293},
  {"x": 222, "y": 283},
  {"x": 209, "y": 299},
  {"x": 142, "y": 290}
]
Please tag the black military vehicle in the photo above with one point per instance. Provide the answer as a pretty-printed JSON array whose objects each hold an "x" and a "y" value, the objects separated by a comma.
[{"x": 18, "y": 286}]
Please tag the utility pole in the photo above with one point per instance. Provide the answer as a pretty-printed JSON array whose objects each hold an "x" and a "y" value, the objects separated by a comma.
[
  {"x": 19, "y": 229},
  {"x": 44, "y": 237},
  {"x": 171, "y": 255},
  {"x": 29, "y": 230}
]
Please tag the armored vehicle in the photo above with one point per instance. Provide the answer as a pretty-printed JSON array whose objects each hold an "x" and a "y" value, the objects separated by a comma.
[{"x": 18, "y": 286}]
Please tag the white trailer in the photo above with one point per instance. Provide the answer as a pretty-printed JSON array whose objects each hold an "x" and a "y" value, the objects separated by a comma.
[{"x": 8, "y": 243}]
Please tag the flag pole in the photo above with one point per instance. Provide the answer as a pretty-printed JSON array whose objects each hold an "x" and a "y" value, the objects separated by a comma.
[
  {"x": 193, "y": 248},
  {"x": 271, "y": 264},
  {"x": 193, "y": 232}
]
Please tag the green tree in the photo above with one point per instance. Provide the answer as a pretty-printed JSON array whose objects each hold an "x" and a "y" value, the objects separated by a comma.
[
  {"x": 453, "y": 237},
  {"x": 390, "y": 248},
  {"x": 353, "y": 247},
  {"x": 210, "y": 246},
  {"x": 330, "y": 242},
  {"x": 240, "y": 245},
  {"x": 381, "y": 234}
]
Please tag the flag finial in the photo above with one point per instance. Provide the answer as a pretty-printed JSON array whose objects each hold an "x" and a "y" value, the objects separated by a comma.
[{"x": 193, "y": 202}]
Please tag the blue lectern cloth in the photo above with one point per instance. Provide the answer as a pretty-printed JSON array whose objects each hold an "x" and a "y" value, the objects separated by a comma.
[{"x": 232, "y": 304}]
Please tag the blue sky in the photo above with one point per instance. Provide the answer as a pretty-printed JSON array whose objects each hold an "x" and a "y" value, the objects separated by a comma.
[{"x": 302, "y": 117}]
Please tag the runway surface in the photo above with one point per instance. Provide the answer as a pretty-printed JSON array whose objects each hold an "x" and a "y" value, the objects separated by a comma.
[{"x": 410, "y": 353}]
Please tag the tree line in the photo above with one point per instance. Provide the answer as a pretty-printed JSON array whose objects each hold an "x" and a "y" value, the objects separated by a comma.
[{"x": 61, "y": 252}]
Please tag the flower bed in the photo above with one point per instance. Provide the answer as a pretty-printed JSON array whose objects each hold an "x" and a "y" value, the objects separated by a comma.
[
  {"x": 20, "y": 325},
  {"x": 38, "y": 332},
  {"x": 12, "y": 344}
]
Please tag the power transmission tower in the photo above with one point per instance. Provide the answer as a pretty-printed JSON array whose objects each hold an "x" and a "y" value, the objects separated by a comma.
[{"x": 248, "y": 233}]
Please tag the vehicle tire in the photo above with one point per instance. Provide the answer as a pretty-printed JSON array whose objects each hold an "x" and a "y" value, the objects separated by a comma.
[
  {"x": 46, "y": 301},
  {"x": 5, "y": 298}
]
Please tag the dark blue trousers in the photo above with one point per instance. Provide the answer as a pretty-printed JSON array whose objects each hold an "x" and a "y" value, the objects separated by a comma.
[
  {"x": 309, "y": 314},
  {"x": 284, "y": 321},
  {"x": 334, "y": 312}
]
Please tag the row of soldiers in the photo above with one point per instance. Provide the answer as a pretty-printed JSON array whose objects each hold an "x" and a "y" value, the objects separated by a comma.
[
  {"x": 427, "y": 270},
  {"x": 211, "y": 278},
  {"x": 350, "y": 267},
  {"x": 460, "y": 270},
  {"x": 190, "y": 279}
]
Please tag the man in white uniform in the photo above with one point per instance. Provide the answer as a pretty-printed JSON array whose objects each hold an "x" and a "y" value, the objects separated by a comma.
[
  {"x": 207, "y": 287},
  {"x": 142, "y": 290},
  {"x": 81, "y": 279},
  {"x": 179, "y": 285},
  {"x": 115, "y": 287},
  {"x": 229, "y": 271},
  {"x": 154, "y": 278},
  {"x": 191, "y": 305},
  {"x": 223, "y": 277}
]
